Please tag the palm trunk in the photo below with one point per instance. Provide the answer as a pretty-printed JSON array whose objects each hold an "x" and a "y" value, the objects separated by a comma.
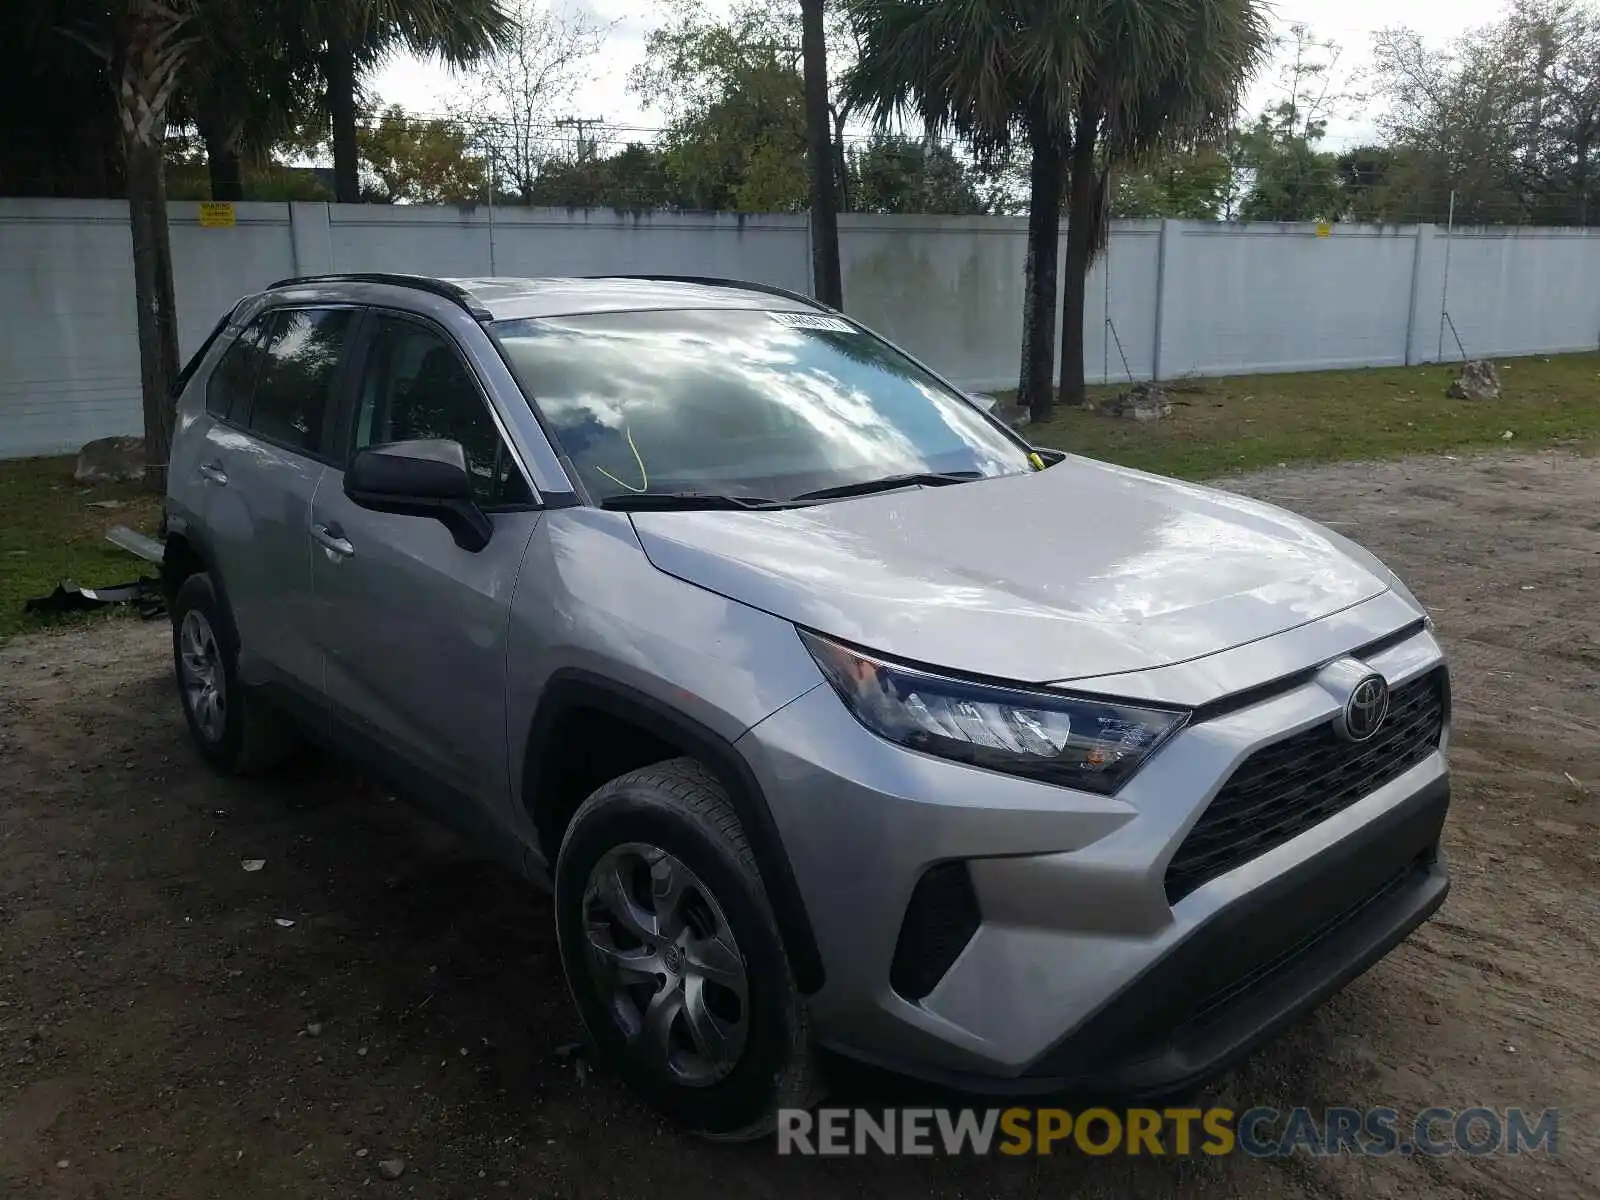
[
  {"x": 340, "y": 66},
  {"x": 1082, "y": 220},
  {"x": 827, "y": 284},
  {"x": 1039, "y": 301},
  {"x": 222, "y": 163},
  {"x": 841, "y": 165},
  {"x": 148, "y": 64}
]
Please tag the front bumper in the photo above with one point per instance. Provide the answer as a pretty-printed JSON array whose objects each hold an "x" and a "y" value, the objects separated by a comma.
[{"x": 1081, "y": 975}]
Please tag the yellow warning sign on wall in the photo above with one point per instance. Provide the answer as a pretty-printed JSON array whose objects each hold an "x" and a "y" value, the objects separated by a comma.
[
  {"x": 217, "y": 214},
  {"x": 1324, "y": 229}
]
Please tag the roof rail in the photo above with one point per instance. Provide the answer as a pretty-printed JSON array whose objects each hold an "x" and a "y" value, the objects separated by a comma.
[
  {"x": 453, "y": 292},
  {"x": 715, "y": 281}
]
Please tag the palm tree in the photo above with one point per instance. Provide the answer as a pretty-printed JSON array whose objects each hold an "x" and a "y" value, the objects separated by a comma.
[
  {"x": 145, "y": 46},
  {"x": 253, "y": 80},
  {"x": 1082, "y": 84},
  {"x": 993, "y": 72},
  {"x": 356, "y": 34},
  {"x": 1157, "y": 75}
]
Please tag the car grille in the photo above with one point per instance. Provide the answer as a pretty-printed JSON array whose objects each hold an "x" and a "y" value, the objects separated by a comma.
[{"x": 1284, "y": 789}]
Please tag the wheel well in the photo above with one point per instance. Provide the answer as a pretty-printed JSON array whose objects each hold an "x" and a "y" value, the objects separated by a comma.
[
  {"x": 180, "y": 561},
  {"x": 583, "y": 748},
  {"x": 589, "y": 730}
]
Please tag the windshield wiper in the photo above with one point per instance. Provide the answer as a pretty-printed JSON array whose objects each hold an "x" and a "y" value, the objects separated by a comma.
[
  {"x": 685, "y": 502},
  {"x": 890, "y": 483}
]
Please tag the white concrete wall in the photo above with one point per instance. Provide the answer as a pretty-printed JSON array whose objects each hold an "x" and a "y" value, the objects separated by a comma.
[
  {"x": 949, "y": 290},
  {"x": 1184, "y": 297}
]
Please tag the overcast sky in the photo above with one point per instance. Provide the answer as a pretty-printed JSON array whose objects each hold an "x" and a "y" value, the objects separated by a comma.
[{"x": 428, "y": 88}]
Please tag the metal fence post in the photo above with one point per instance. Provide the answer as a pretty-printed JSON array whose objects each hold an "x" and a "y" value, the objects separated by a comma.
[
  {"x": 1161, "y": 298},
  {"x": 1418, "y": 256},
  {"x": 1444, "y": 293}
]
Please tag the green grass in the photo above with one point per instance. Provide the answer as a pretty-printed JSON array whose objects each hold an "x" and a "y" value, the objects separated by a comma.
[
  {"x": 51, "y": 530},
  {"x": 1239, "y": 424}
]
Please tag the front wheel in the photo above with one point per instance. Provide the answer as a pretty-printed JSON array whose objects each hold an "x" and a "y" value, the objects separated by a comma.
[{"x": 674, "y": 958}]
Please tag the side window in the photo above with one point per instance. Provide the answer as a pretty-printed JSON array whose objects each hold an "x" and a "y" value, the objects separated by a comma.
[
  {"x": 415, "y": 386},
  {"x": 228, "y": 390},
  {"x": 300, "y": 359}
]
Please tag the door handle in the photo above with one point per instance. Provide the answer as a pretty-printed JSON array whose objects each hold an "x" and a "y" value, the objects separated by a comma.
[
  {"x": 214, "y": 472},
  {"x": 331, "y": 538}
]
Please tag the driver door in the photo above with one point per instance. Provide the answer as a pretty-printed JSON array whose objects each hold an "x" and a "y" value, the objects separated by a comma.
[{"x": 412, "y": 626}]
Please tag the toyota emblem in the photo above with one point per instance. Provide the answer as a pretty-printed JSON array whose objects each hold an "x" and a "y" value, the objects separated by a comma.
[{"x": 1366, "y": 709}]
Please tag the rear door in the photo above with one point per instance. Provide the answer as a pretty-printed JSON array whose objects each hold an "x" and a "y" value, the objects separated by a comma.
[
  {"x": 270, "y": 403},
  {"x": 413, "y": 626}
]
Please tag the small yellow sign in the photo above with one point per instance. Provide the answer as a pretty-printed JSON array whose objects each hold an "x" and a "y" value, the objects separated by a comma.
[
  {"x": 217, "y": 214},
  {"x": 1324, "y": 229}
]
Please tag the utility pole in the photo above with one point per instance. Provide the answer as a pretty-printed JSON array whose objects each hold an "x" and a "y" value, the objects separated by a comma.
[
  {"x": 585, "y": 149},
  {"x": 826, "y": 282}
]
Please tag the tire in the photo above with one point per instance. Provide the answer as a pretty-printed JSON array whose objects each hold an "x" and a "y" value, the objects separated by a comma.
[
  {"x": 679, "y": 811},
  {"x": 234, "y": 732}
]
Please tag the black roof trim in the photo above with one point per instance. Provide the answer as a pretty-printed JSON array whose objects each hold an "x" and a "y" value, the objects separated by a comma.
[
  {"x": 716, "y": 281},
  {"x": 455, "y": 293}
]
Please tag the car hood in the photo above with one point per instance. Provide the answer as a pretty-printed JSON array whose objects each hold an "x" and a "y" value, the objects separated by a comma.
[{"x": 1083, "y": 569}]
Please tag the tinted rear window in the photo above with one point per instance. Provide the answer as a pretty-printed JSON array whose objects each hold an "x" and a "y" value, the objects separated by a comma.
[{"x": 300, "y": 361}]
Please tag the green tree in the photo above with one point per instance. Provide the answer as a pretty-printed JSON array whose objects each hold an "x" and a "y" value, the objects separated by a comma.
[
  {"x": 895, "y": 174},
  {"x": 1190, "y": 185},
  {"x": 419, "y": 161},
  {"x": 1290, "y": 179},
  {"x": 634, "y": 179},
  {"x": 57, "y": 109},
  {"x": 1507, "y": 117},
  {"x": 734, "y": 95},
  {"x": 517, "y": 93}
]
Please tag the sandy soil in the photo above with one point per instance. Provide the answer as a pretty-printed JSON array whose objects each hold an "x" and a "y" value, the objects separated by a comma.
[{"x": 163, "y": 1033}]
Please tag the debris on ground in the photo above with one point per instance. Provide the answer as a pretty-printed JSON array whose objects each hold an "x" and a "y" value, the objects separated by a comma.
[
  {"x": 111, "y": 460},
  {"x": 136, "y": 543},
  {"x": 252, "y": 865},
  {"x": 68, "y": 597},
  {"x": 1144, "y": 402},
  {"x": 391, "y": 1168},
  {"x": 1478, "y": 381}
]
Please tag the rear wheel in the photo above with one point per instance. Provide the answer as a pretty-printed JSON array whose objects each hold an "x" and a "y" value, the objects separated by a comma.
[
  {"x": 232, "y": 729},
  {"x": 674, "y": 958}
]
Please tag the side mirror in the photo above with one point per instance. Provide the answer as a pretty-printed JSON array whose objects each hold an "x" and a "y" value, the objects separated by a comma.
[{"x": 421, "y": 479}]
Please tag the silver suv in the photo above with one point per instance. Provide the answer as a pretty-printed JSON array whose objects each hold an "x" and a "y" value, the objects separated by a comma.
[{"x": 837, "y": 717}]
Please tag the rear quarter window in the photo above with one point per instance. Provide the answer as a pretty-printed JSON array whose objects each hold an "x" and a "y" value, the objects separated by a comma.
[{"x": 233, "y": 380}]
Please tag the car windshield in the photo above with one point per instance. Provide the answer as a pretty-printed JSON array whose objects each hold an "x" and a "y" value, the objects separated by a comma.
[{"x": 736, "y": 402}]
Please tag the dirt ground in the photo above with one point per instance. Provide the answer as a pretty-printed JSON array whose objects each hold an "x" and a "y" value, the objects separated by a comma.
[{"x": 164, "y": 1032}]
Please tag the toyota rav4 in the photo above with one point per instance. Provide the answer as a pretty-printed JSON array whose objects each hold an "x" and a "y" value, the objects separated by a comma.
[{"x": 836, "y": 716}]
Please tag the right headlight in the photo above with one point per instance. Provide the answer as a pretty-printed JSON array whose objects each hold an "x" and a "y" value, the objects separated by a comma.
[{"x": 1073, "y": 741}]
